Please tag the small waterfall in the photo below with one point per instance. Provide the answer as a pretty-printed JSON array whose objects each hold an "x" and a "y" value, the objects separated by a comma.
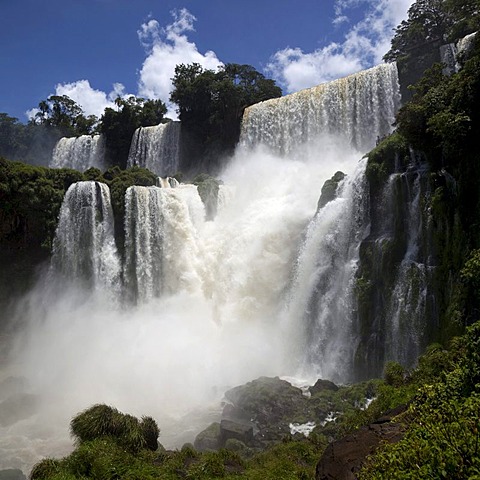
[
  {"x": 360, "y": 108},
  {"x": 160, "y": 241},
  {"x": 84, "y": 246},
  {"x": 451, "y": 53},
  {"x": 156, "y": 148},
  {"x": 168, "y": 182},
  {"x": 322, "y": 293},
  {"x": 409, "y": 302},
  {"x": 79, "y": 153}
]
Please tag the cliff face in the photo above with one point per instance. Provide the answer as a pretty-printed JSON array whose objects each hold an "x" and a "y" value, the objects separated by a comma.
[{"x": 415, "y": 280}]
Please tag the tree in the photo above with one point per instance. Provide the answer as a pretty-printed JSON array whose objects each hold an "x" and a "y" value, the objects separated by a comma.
[
  {"x": 64, "y": 114},
  {"x": 119, "y": 125},
  {"x": 211, "y": 105}
]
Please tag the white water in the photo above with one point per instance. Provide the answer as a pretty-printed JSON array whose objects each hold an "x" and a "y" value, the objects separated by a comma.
[
  {"x": 406, "y": 313},
  {"x": 84, "y": 248},
  {"x": 79, "y": 153},
  {"x": 359, "y": 109},
  {"x": 217, "y": 303},
  {"x": 156, "y": 148}
]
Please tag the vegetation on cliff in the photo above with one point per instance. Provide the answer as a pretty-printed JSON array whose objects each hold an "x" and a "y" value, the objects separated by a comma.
[{"x": 211, "y": 105}]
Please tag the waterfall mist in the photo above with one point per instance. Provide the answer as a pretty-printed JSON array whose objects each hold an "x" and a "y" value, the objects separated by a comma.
[
  {"x": 178, "y": 351},
  {"x": 262, "y": 289}
]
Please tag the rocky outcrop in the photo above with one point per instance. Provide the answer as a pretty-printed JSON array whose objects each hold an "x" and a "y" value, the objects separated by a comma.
[{"x": 343, "y": 458}]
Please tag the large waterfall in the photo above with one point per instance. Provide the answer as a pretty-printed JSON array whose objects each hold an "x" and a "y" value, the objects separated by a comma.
[
  {"x": 156, "y": 148},
  {"x": 359, "y": 109},
  {"x": 269, "y": 286},
  {"x": 79, "y": 153}
]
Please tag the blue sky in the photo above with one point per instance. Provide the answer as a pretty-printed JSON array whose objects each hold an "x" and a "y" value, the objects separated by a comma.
[{"x": 94, "y": 50}]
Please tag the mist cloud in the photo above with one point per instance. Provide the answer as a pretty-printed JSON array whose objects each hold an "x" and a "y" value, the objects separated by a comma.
[{"x": 363, "y": 46}]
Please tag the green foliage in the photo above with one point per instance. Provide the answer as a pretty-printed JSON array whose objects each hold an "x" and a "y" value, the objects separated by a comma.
[
  {"x": 102, "y": 421},
  {"x": 443, "y": 435},
  {"x": 47, "y": 468},
  {"x": 394, "y": 374},
  {"x": 118, "y": 126},
  {"x": 63, "y": 113},
  {"x": 31, "y": 198},
  {"x": 211, "y": 104}
]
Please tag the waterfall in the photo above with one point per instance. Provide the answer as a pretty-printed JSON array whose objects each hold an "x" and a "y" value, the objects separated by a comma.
[
  {"x": 322, "y": 295},
  {"x": 411, "y": 299},
  {"x": 156, "y": 148},
  {"x": 84, "y": 245},
  {"x": 79, "y": 153},
  {"x": 160, "y": 241},
  {"x": 268, "y": 286},
  {"x": 360, "y": 108}
]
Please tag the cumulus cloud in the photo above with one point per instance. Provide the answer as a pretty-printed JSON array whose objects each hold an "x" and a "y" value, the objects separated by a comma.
[
  {"x": 167, "y": 47},
  {"x": 363, "y": 46},
  {"x": 92, "y": 101}
]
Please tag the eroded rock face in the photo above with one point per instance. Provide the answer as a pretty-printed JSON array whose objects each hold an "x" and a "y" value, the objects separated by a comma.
[{"x": 344, "y": 458}]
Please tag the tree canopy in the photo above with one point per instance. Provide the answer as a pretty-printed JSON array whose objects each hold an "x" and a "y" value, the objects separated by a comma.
[
  {"x": 119, "y": 125},
  {"x": 211, "y": 104}
]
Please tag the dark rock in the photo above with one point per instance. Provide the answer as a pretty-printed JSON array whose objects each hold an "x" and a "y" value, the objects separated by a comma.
[
  {"x": 237, "y": 431},
  {"x": 12, "y": 474},
  {"x": 322, "y": 385},
  {"x": 208, "y": 439},
  {"x": 267, "y": 400},
  {"x": 329, "y": 189},
  {"x": 343, "y": 458}
]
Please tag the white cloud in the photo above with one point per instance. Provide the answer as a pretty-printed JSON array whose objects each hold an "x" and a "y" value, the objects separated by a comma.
[
  {"x": 92, "y": 102},
  {"x": 363, "y": 46},
  {"x": 166, "y": 48}
]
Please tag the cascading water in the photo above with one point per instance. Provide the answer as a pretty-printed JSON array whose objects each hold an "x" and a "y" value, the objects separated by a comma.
[
  {"x": 360, "y": 109},
  {"x": 322, "y": 295},
  {"x": 406, "y": 314},
  {"x": 79, "y": 153},
  {"x": 84, "y": 246},
  {"x": 160, "y": 241},
  {"x": 156, "y": 148},
  {"x": 263, "y": 288}
]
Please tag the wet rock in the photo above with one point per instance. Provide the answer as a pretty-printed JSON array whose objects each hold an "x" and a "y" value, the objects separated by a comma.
[
  {"x": 344, "y": 458},
  {"x": 208, "y": 439},
  {"x": 322, "y": 385},
  {"x": 329, "y": 189},
  {"x": 236, "y": 431}
]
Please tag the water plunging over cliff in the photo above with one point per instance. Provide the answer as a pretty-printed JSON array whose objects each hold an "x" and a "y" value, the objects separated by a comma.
[
  {"x": 156, "y": 148},
  {"x": 79, "y": 153},
  {"x": 84, "y": 248},
  {"x": 266, "y": 287},
  {"x": 359, "y": 109}
]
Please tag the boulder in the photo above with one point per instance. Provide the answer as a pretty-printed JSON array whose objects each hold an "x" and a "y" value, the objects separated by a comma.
[
  {"x": 343, "y": 458},
  {"x": 238, "y": 431},
  {"x": 321, "y": 386},
  {"x": 208, "y": 439}
]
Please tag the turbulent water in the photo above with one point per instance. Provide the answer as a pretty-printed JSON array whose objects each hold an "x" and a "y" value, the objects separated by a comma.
[
  {"x": 79, "y": 153},
  {"x": 198, "y": 305},
  {"x": 156, "y": 148}
]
